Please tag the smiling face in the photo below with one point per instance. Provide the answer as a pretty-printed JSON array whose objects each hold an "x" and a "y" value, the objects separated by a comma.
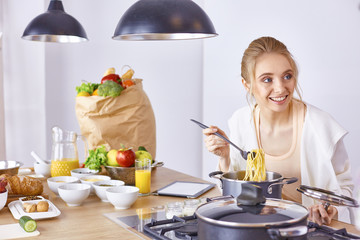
[{"x": 274, "y": 82}]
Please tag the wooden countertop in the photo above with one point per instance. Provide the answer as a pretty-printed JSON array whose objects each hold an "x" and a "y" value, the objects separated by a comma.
[{"x": 91, "y": 219}]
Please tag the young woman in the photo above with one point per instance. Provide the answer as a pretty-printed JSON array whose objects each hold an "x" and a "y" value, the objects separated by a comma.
[{"x": 298, "y": 139}]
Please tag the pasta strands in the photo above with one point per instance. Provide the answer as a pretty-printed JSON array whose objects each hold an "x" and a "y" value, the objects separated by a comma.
[{"x": 255, "y": 166}]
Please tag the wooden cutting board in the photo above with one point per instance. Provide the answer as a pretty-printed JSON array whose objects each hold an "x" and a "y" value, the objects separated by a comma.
[{"x": 13, "y": 231}]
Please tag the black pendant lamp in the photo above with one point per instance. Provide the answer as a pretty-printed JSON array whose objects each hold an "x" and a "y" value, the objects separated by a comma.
[
  {"x": 164, "y": 20},
  {"x": 55, "y": 25}
]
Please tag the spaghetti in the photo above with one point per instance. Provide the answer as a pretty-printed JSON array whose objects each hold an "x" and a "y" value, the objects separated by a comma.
[{"x": 255, "y": 166}]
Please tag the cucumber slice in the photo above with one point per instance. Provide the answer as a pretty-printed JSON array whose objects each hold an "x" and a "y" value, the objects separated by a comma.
[{"x": 27, "y": 223}]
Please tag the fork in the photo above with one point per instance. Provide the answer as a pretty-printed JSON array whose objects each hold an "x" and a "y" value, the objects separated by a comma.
[{"x": 243, "y": 153}]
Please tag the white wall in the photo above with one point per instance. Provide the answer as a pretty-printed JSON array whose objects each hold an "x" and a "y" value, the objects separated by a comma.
[
  {"x": 182, "y": 79},
  {"x": 322, "y": 35},
  {"x": 171, "y": 73},
  {"x": 24, "y": 81}
]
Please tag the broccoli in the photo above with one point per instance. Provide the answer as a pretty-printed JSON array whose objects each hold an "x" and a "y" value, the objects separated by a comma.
[{"x": 110, "y": 88}]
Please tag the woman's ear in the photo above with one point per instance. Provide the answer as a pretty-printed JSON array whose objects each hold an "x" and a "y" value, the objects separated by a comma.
[{"x": 245, "y": 84}]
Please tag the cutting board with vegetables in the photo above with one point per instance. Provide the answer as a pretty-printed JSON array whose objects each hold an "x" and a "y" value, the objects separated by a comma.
[{"x": 13, "y": 231}]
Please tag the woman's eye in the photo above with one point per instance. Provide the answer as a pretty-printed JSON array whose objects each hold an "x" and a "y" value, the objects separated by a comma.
[
  {"x": 287, "y": 76},
  {"x": 266, "y": 80}
]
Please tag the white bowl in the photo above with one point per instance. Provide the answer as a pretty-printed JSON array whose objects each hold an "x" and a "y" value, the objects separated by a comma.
[
  {"x": 3, "y": 199},
  {"x": 55, "y": 182},
  {"x": 83, "y": 172},
  {"x": 122, "y": 197},
  {"x": 74, "y": 193},
  {"x": 93, "y": 178},
  {"x": 101, "y": 186},
  {"x": 42, "y": 169}
]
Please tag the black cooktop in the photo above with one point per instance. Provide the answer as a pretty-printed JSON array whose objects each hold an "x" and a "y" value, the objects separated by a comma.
[{"x": 156, "y": 226}]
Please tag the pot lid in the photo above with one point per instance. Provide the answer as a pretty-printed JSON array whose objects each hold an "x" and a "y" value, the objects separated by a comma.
[
  {"x": 327, "y": 196},
  {"x": 273, "y": 212}
]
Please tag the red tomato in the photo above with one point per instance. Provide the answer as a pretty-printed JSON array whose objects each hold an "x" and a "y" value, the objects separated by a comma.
[{"x": 125, "y": 157}]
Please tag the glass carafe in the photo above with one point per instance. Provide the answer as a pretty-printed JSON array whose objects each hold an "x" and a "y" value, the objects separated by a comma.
[{"x": 64, "y": 155}]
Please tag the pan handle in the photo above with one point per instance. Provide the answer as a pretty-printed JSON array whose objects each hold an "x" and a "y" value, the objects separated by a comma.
[
  {"x": 285, "y": 233},
  {"x": 282, "y": 182},
  {"x": 215, "y": 175}
]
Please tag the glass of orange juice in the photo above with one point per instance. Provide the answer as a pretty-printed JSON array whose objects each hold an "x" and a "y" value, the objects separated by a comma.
[{"x": 143, "y": 176}]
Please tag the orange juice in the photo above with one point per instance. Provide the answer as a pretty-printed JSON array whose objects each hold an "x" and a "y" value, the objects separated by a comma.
[
  {"x": 63, "y": 167},
  {"x": 143, "y": 180}
]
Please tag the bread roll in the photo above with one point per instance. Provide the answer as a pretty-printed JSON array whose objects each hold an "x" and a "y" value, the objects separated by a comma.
[
  {"x": 42, "y": 206},
  {"x": 29, "y": 207},
  {"x": 23, "y": 185}
]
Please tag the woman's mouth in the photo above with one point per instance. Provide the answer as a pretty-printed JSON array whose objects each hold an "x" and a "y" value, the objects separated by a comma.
[{"x": 278, "y": 99}]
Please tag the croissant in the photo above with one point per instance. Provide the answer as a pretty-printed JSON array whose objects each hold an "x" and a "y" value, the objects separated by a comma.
[{"x": 23, "y": 185}]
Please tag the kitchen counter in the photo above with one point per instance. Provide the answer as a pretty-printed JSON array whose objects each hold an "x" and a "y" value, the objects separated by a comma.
[{"x": 88, "y": 221}]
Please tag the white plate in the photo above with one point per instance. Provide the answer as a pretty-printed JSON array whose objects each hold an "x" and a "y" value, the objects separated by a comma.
[{"x": 17, "y": 211}]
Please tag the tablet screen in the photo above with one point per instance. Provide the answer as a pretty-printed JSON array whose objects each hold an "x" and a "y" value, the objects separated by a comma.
[{"x": 185, "y": 189}]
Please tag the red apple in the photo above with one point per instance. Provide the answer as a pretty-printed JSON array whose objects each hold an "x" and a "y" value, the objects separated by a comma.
[
  {"x": 125, "y": 157},
  {"x": 3, "y": 184}
]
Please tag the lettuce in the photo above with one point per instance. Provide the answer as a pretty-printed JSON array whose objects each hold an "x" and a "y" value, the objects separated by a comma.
[
  {"x": 97, "y": 158},
  {"x": 87, "y": 87}
]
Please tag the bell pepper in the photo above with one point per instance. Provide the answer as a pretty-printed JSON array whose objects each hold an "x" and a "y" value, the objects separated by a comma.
[{"x": 111, "y": 77}]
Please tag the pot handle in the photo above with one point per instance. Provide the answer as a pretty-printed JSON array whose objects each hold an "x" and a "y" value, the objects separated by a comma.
[
  {"x": 282, "y": 182},
  {"x": 214, "y": 174},
  {"x": 285, "y": 233},
  {"x": 219, "y": 198}
]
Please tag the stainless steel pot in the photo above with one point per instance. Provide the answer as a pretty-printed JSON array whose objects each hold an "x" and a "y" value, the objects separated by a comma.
[
  {"x": 231, "y": 183},
  {"x": 225, "y": 218}
]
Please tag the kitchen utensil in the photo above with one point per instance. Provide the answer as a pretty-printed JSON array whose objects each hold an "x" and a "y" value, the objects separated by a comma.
[
  {"x": 101, "y": 186},
  {"x": 64, "y": 157},
  {"x": 231, "y": 183},
  {"x": 42, "y": 169},
  {"x": 127, "y": 174},
  {"x": 38, "y": 159},
  {"x": 243, "y": 153},
  {"x": 15, "y": 231},
  {"x": 228, "y": 218},
  {"x": 327, "y": 197},
  {"x": 74, "y": 194},
  {"x": 122, "y": 197},
  {"x": 9, "y": 167},
  {"x": 17, "y": 210}
]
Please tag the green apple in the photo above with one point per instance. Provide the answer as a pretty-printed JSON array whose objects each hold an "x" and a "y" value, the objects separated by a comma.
[
  {"x": 111, "y": 155},
  {"x": 142, "y": 155}
]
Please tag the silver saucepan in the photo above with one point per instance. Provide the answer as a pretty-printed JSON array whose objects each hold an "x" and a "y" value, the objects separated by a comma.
[
  {"x": 251, "y": 216},
  {"x": 231, "y": 183}
]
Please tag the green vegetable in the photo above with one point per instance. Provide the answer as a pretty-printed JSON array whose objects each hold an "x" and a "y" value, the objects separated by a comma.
[
  {"x": 27, "y": 223},
  {"x": 110, "y": 88},
  {"x": 87, "y": 87},
  {"x": 97, "y": 158}
]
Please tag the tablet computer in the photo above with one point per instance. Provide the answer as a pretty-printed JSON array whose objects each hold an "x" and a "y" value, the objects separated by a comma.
[{"x": 184, "y": 189}]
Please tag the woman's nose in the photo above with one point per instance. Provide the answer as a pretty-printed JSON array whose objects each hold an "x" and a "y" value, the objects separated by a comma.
[{"x": 279, "y": 86}]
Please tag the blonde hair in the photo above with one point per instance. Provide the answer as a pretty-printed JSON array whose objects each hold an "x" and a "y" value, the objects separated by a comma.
[{"x": 258, "y": 47}]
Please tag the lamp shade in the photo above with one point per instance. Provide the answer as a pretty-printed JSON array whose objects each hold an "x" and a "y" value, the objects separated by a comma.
[
  {"x": 164, "y": 20},
  {"x": 55, "y": 25}
]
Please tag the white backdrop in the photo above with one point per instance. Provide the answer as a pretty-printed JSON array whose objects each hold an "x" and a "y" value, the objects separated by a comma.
[
  {"x": 183, "y": 79},
  {"x": 323, "y": 36}
]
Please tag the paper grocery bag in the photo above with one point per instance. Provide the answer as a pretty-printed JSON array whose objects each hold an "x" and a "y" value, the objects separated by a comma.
[{"x": 111, "y": 121}]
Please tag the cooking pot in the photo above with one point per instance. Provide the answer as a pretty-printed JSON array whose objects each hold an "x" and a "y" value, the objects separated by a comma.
[
  {"x": 232, "y": 218},
  {"x": 231, "y": 183}
]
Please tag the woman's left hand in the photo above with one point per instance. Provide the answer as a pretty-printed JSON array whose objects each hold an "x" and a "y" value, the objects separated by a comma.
[{"x": 319, "y": 215}]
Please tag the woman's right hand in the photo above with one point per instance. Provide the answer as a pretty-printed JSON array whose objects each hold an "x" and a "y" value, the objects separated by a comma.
[{"x": 215, "y": 144}]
